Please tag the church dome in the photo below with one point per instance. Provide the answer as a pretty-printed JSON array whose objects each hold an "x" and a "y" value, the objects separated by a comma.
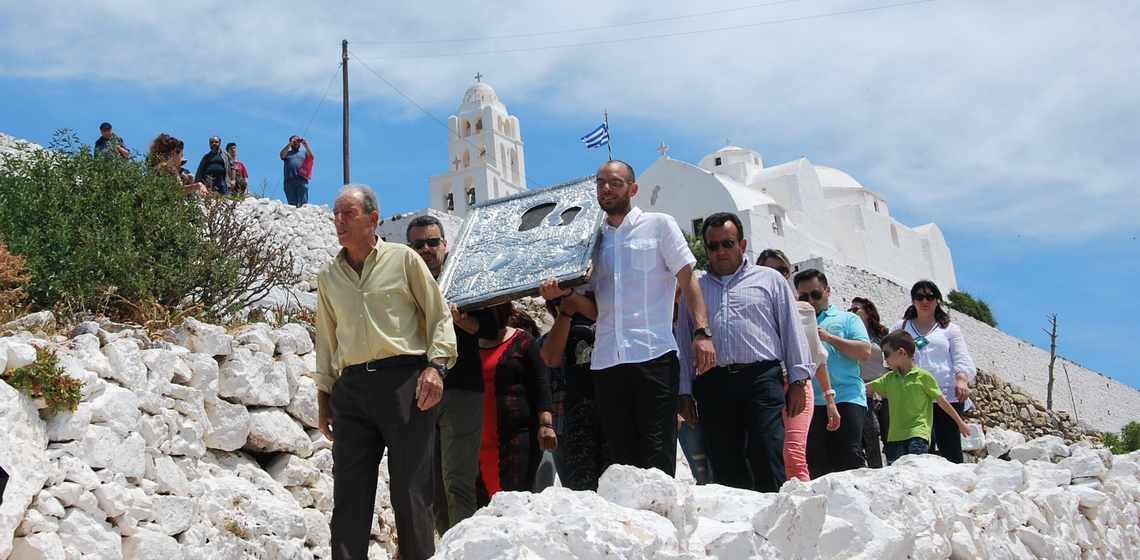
[
  {"x": 832, "y": 178},
  {"x": 480, "y": 95},
  {"x": 730, "y": 148}
]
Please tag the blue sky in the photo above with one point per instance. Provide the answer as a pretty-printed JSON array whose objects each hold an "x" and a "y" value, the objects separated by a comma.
[{"x": 1012, "y": 127}]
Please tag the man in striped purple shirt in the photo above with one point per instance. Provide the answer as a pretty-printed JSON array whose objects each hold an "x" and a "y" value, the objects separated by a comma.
[{"x": 755, "y": 328}]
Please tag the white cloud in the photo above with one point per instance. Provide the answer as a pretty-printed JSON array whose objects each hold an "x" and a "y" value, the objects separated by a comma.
[{"x": 1010, "y": 116}]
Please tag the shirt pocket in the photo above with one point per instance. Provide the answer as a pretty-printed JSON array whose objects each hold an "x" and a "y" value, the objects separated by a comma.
[
  {"x": 385, "y": 308},
  {"x": 641, "y": 254}
]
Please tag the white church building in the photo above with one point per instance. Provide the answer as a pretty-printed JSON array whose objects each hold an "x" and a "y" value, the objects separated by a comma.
[{"x": 808, "y": 210}]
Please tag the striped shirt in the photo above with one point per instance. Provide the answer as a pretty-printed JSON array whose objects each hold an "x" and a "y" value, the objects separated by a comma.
[{"x": 753, "y": 317}]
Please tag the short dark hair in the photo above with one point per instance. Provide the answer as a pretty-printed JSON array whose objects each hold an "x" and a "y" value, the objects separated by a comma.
[
  {"x": 628, "y": 168},
  {"x": 231, "y": 145},
  {"x": 897, "y": 340},
  {"x": 427, "y": 220},
  {"x": 718, "y": 219},
  {"x": 105, "y": 126},
  {"x": 806, "y": 275}
]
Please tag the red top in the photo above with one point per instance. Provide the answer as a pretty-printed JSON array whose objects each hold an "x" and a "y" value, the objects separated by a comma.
[
  {"x": 489, "y": 449},
  {"x": 240, "y": 167}
]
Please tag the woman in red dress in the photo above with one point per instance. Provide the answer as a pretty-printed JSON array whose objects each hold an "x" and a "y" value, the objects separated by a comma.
[{"x": 517, "y": 423}]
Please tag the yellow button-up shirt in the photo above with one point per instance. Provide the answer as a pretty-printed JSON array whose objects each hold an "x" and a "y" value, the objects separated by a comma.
[{"x": 392, "y": 308}]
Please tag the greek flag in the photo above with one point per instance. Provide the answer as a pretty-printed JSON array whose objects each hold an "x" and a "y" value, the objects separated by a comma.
[{"x": 598, "y": 137}]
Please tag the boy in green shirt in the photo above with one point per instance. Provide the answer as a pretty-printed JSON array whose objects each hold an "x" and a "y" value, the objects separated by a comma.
[{"x": 909, "y": 390}]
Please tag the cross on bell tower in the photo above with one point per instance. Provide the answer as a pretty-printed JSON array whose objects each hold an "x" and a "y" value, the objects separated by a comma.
[{"x": 478, "y": 77}]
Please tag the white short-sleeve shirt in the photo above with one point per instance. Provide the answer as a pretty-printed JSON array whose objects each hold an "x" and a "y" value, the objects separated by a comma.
[{"x": 634, "y": 281}]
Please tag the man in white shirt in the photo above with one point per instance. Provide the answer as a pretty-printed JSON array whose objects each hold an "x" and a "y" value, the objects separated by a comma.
[{"x": 640, "y": 261}]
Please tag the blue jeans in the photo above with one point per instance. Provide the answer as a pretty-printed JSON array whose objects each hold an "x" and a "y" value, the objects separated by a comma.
[
  {"x": 912, "y": 446},
  {"x": 693, "y": 446}
]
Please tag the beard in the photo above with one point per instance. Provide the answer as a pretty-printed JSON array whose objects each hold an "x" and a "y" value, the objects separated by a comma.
[{"x": 615, "y": 206}]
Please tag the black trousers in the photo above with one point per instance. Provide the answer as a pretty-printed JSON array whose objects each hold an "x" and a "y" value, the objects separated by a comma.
[
  {"x": 944, "y": 438},
  {"x": 883, "y": 414},
  {"x": 372, "y": 411},
  {"x": 871, "y": 437},
  {"x": 841, "y": 450},
  {"x": 637, "y": 404},
  {"x": 740, "y": 414}
]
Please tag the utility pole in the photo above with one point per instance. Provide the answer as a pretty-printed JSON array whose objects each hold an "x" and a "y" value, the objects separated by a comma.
[
  {"x": 1052, "y": 332},
  {"x": 344, "y": 102}
]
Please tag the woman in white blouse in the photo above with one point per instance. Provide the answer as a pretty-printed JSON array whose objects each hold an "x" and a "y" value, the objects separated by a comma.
[
  {"x": 796, "y": 427},
  {"x": 941, "y": 350}
]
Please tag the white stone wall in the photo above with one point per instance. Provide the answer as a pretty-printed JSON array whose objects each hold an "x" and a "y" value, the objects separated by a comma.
[{"x": 1101, "y": 402}]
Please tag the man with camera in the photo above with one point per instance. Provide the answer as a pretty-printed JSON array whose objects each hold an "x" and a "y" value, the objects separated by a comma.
[{"x": 298, "y": 158}]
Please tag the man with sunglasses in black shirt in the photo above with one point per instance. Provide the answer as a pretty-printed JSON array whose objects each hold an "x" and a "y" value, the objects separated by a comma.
[{"x": 461, "y": 410}]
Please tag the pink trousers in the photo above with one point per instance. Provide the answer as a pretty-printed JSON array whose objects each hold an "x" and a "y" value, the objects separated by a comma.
[{"x": 795, "y": 438}]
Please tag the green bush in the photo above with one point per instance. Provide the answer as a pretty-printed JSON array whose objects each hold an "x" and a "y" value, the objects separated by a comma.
[
  {"x": 974, "y": 307},
  {"x": 1126, "y": 442},
  {"x": 106, "y": 235},
  {"x": 698, "y": 249},
  {"x": 44, "y": 379}
]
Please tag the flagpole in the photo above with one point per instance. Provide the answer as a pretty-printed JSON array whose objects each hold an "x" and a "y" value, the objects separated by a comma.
[{"x": 610, "y": 143}]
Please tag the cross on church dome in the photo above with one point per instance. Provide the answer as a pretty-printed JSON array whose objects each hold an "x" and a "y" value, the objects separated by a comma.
[
  {"x": 663, "y": 149},
  {"x": 478, "y": 77}
]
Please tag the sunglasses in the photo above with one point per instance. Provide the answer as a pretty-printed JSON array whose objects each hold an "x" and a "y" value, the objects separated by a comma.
[
  {"x": 432, "y": 242},
  {"x": 812, "y": 295},
  {"x": 855, "y": 309},
  {"x": 714, "y": 246},
  {"x": 927, "y": 297}
]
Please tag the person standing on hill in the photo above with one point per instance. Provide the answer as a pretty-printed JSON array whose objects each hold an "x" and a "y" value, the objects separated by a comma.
[
  {"x": 214, "y": 169},
  {"x": 110, "y": 144},
  {"x": 298, "y": 158},
  {"x": 240, "y": 173},
  {"x": 940, "y": 349}
]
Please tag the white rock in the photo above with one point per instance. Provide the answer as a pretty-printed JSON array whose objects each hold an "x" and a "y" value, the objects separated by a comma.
[
  {"x": 164, "y": 366},
  {"x": 317, "y": 531},
  {"x": 1000, "y": 476},
  {"x": 253, "y": 379},
  {"x": 113, "y": 499},
  {"x": 174, "y": 514},
  {"x": 40, "y": 546},
  {"x": 117, "y": 408},
  {"x": 303, "y": 407},
  {"x": 149, "y": 545},
  {"x": 272, "y": 430},
  {"x": 999, "y": 441},
  {"x": 170, "y": 478},
  {"x": 203, "y": 338},
  {"x": 792, "y": 524},
  {"x": 127, "y": 366},
  {"x": 1085, "y": 464},
  {"x": 291, "y": 470},
  {"x": 23, "y": 445},
  {"x": 292, "y": 338},
  {"x": 48, "y": 505},
  {"x": 79, "y": 472},
  {"x": 1089, "y": 498},
  {"x": 1053, "y": 446},
  {"x": 229, "y": 425},
  {"x": 67, "y": 492},
  {"x": 67, "y": 425},
  {"x": 1043, "y": 474},
  {"x": 103, "y": 448},
  {"x": 651, "y": 490},
  {"x": 20, "y": 354},
  {"x": 203, "y": 374},
  {"x": 257, "y": 337},
  {"x": 95, "y": 537}
]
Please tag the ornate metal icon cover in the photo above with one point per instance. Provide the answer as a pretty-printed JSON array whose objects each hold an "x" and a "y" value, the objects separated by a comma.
[{"x": 510, "y": 245}]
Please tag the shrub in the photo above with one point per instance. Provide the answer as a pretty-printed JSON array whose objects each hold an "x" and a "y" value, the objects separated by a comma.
[
  {"x": 1126, "y": 442},
  {"x": 44, "y": 379},
  {"x": 698, "y": 249},
  {"x": 974, "y": 307},
  {"x": 106, "y": 235},
  {"x": 13, "y": 277}
]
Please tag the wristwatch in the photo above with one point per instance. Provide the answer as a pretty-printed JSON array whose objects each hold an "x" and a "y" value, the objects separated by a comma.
[
  {"x": 702, "y": 331},
  {"x": 439, "y": 368}
]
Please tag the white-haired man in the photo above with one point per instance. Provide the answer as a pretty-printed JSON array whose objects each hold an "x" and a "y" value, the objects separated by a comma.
[{"x": 384, "y": 343}]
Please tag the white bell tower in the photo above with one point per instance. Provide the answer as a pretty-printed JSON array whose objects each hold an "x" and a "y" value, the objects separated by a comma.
[{"x": 484, "y": 153}]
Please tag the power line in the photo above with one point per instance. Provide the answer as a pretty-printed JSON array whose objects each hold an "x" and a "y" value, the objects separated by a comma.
[
  {"x": 422, "y": 109},
  {"x": 581, "y": 29},
  {"x": 305, "y": 131},
  {"x": 661, "y": 35}
]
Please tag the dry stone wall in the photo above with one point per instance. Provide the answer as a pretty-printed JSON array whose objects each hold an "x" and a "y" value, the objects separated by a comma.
[{"x": 1101, "y": 402}]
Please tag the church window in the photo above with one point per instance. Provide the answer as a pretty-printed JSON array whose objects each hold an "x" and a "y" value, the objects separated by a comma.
[
  {"x": 876, "y": 205},
  {"x": 479, "y": 125},
  {"x": 515, "y": 166},
  {"x": 449, "y": 202},
  {"x": 778, "y": 225},
  {"x": 466, "y": 159},
  {"x": 717, "y": 162},
  {"x": 756, "y": 160},
  {"x": 467, "y": 128},
  {"x": 483, "y": 154},
  {"x": 895, "y": 235},
  {"x": 697, "y": 225},
  {"x": 470, "y": 196}
]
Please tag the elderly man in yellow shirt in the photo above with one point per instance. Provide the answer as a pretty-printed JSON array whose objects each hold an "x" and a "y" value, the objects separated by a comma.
[{"x": 384, "y": 343}]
